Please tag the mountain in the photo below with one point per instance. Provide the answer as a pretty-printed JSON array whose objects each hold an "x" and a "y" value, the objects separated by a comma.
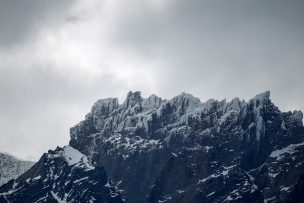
[
  {"x": 62, "y": 175},
  {"x": 185, "y": 150},
  {"x": 11, "y": 167}
]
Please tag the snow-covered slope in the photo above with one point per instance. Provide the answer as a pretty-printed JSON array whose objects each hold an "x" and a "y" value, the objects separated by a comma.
[{"x": 11, "y": 167}]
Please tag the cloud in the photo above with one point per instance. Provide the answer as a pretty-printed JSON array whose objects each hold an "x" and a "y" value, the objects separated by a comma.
[
  {"x": 57, "y": 58},
  {"x": 20, "y": 20}
]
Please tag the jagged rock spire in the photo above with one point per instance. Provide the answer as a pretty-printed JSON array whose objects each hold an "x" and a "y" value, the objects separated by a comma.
[{"x": 133, "y": 98}]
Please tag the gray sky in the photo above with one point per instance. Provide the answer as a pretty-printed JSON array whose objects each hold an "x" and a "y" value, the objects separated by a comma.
[{"x": 58, "y": 57}]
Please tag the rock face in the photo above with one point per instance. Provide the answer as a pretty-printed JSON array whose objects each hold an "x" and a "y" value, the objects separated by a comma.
[
  {"x": 11, "y": 167},
  {"x": 183, "y": 150},
  {"x": 62, "y": 175}
]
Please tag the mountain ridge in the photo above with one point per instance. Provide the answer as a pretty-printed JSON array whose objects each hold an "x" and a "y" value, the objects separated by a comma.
[
  {"x": 185, "y": 150},
  {"x": 156, "y": 128},
  {"x": 61, "y": 175},
  {"x": 12, "y": 166}
]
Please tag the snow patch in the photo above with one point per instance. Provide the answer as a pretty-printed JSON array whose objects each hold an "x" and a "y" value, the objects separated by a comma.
[
  {"x": 37, "y": 177},
  {"x": 74, "y": 157},
  {"x": 210, "y": 194},
  {"x": 252, "y": 179},
  {"x": 285, "y": 188},
  {"x": 269, "y": 199},
  {"x": 81, "y": 179},
  {"x": 57, "y": 198},
  {"x": 290, "y": 149}
]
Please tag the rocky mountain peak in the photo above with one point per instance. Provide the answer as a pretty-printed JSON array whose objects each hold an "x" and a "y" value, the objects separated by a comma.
[
  {"x": 297, "y": 116},
  {"x": 133, "y": 98},
  {"x": 152, "y": 102},
  {"x": 104, "y": 107},
  {"x": 261, "y": 99},
  {"x": 187, "y": 101}
]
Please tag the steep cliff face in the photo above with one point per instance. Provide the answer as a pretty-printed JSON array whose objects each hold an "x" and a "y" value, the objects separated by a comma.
[
  {"x": 11, "y": 167},
  {"x": 62, "y": 175},
  {"x": 183, "y": 150}
]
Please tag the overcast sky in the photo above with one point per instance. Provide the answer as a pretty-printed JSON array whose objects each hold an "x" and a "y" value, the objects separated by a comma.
[{"x": 58, "y": 57}]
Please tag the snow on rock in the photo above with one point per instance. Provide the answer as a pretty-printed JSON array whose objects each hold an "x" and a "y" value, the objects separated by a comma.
[
  {"x": 37, "y": 177},
  {"x": 218, "y": 174},
  {"x": 133, "y": 143},
  {"x": 290, "y": 149},
  {"x": 81, "y": 179},
  {"x": 259, "y": 102},
  {"x": 152, "y": 102},
  {"x": 132, "y": 99},
  {"x": 73, "y": 156},
  {"x": 234, "y": 195},
  {"x": 269, "y": 199},
  {"x": 252, "y": 179},
  {"x": 186, "y": 101},
  {"x": 137, "y": 114},
  {"x": 227, "y": 116},
  {"x": 105, "y": 105},
  {"x": 285, "y": 188},
  {"x": 57, "y": 198}
]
